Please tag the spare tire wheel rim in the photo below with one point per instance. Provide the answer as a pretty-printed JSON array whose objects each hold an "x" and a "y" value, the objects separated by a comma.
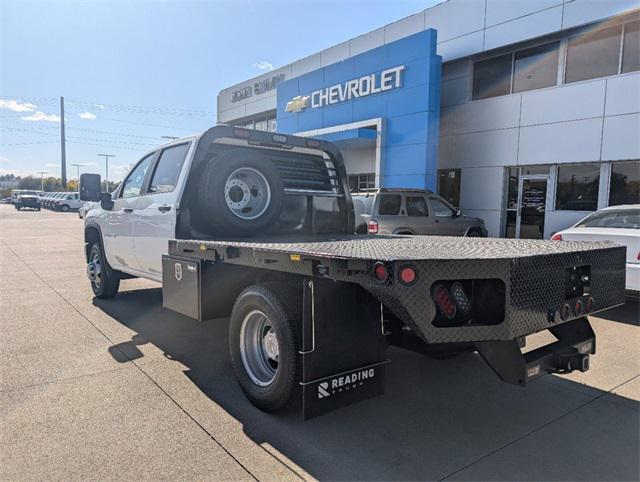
[
  {"x": 259, "y": 348},
  {"x": 247, "y": 193}
]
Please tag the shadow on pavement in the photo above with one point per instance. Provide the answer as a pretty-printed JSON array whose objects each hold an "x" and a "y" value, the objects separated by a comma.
[
  {"x": 628, "y": 313},
  {"x": 436, "y": 418}
]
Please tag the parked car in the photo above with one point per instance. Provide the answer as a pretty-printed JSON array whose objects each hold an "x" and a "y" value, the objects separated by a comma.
[
  {"x": 412, "y": 211},
  {"x": 68, "y": 201},
  {"x": 620, "y": 224},
  {"x": 27, "y": 201},
  {"x": 6, "y": 200},
  {"x": 86, "y": 207}
]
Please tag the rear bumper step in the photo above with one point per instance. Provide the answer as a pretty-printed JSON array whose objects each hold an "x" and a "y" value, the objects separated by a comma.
[{"x": 576, "y": 341}]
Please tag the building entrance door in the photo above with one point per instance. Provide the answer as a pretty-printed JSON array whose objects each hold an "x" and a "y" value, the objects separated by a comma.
[{"x": 532, "y": 200}]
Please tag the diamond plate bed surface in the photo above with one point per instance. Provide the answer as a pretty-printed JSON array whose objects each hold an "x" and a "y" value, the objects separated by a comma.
[{"x": 392, "y": 248}]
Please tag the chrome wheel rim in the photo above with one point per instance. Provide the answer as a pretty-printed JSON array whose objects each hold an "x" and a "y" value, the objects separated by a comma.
[
  {"x": 247, "y": 193},
  {"x": 94, "y": 270},
  {"x": 259, "y": 348}
]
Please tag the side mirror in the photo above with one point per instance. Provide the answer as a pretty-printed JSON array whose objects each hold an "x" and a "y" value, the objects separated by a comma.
[
  {"x": 106, "y": 202},
  {"x": 90, "y": 187},
  {"x": 458, "y": 213}
]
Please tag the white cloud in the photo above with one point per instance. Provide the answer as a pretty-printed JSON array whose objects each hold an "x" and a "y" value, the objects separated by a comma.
[
  {"x": 52, "y": 164},
  {"x": 16, "y": 106},
  {"x": 41, "y": 117},
  {"x": 4, "y": 159},
  {"x": 264, "y": 65},
  {"x": 87, "y": 116},
  {"x": 100, "y": 106}
]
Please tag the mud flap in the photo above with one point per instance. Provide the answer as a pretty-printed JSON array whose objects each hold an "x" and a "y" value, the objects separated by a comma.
[
  {"x": 576, "y": 341},
  {"x": 343, "y": 346}
]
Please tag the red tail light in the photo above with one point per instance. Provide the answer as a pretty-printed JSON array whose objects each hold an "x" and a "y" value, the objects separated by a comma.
[
  {"x": 444, "y": 301},
  {"x": 407, "y": 275},
  {"x": 372, "y": 226},
  {"x": 381, "y": 272},
  {"x": 556, "y": 237}
]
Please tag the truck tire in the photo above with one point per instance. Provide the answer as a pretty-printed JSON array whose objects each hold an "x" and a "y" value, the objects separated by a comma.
[
  {"x": 64, "y": 208},
  {"x": 240, "y": 193},
  {"x": 105, "y": 281},
  {"x": 264, "y": 345}
]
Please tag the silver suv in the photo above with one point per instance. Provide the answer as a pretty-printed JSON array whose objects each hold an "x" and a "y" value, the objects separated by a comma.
[{"x": 411, "y": 211}]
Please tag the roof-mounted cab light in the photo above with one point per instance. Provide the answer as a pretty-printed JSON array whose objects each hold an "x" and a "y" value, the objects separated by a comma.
[
  {"x": 556, "y": 237},
  {"x": 241, "y": 133},
  {"x": 313, "y": 143},
  {"x": 279, "y": 138}
]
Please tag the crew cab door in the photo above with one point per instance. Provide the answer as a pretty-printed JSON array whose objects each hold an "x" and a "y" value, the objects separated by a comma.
[
  {"x": 154, "y": 212},
  {"x": 118, "y": 232}
]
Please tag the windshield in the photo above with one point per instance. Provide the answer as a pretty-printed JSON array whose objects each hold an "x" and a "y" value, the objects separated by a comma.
[{"x": 615, "y": 218}]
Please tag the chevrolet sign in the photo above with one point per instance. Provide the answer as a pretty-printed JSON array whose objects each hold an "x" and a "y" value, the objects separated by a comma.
[{"x": 388, "y": 79}]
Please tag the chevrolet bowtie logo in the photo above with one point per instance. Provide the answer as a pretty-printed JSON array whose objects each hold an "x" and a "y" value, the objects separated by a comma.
[{"x": 297, "y": 104}]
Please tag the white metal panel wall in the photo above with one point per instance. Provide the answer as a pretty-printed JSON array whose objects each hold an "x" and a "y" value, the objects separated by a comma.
[{"x": 465, "y": 27}]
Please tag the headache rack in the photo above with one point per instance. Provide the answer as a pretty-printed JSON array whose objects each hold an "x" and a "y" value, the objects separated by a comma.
[{"x": 308, "y": 167}]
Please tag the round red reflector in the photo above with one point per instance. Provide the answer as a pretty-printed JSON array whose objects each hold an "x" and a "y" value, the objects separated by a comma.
[
  {"x": 590, "y": 304},
  {"x": 407, "y": 275},
  {"x": 577, "y": 307},
  {"x": 381, "y": 272}
]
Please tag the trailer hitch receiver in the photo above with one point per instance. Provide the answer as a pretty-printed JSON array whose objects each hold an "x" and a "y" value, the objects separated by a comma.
[{"x": 576, "y": 341}]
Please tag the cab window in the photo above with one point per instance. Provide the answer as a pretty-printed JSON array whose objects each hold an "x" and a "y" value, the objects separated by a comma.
[
  {"x": 416, "y": 206},
  {"x": 168, "y": 169},
  {"x": 133, "y": 184},
  {"x": 389, "y": 204},
  {"x": 440, "y": 209}
]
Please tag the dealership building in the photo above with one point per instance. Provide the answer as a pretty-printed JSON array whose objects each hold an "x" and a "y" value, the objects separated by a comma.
[{"x": 523, "y": 113}]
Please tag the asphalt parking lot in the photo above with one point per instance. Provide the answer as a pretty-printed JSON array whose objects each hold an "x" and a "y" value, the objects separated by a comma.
[{"x": 126, "y": 389}]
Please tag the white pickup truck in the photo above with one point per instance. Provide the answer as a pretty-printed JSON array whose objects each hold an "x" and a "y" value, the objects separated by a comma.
[{"x": 259, "y": 227}]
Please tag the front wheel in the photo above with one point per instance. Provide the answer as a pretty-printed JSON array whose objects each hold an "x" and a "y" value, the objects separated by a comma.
[
  {"x": 264, "y": 345},
  {"x": 104, "y": 280},
  {"x": 64, "y": 208}
]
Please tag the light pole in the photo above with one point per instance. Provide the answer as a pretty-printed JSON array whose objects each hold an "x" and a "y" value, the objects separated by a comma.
[
  {"x": 42, "y": 173},
  {"x": 106, "y": 170},
  {"x": 78, "y": 166}
]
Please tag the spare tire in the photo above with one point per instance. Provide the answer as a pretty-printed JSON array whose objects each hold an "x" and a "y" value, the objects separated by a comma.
[{"x": 240, "y": 194}]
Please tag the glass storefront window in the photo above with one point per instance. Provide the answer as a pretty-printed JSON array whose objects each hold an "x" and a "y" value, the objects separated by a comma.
[
  {"x": 449, "y": 185},
  {"x": 536, "y": 67},
  {"x": 362, "y": 182},
  {"x": 593, "y": 54},
  {"x": 625, "y": 183},
  {"x": 577, "y": 187}
]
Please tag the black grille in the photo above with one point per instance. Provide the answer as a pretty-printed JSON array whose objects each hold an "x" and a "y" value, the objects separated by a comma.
[{"x": 307, "y": 175}]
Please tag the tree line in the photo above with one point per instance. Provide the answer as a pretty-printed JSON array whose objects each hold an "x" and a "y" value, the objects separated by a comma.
[{"x": 51, "y": 184}]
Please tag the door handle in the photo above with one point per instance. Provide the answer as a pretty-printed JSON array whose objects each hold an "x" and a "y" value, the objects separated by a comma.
[
  {"x": 164, "y": 209},
  {"x": 128, "y": 210}
]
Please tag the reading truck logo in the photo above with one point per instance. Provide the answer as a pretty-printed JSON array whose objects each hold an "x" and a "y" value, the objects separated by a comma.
[{"x": 345, "y": 382}]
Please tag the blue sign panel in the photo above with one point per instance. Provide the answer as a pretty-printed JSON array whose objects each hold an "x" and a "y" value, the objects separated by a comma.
[{"x": 398, "y": 82}]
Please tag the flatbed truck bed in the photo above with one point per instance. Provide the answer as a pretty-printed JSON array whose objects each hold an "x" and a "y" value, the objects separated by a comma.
[{"x": 536, "y": 285}]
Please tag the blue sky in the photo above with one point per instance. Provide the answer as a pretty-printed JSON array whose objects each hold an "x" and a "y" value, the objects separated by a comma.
[{"x": 132, "y": 72}]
